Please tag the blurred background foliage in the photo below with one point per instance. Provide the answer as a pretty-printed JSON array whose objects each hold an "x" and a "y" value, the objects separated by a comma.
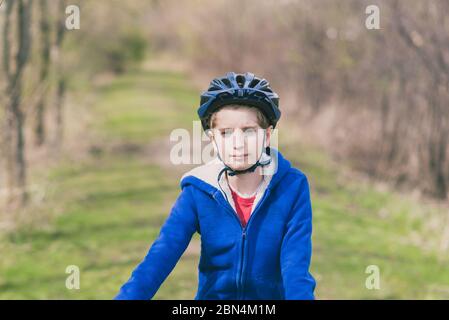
[{"x": 85, "y": 117}]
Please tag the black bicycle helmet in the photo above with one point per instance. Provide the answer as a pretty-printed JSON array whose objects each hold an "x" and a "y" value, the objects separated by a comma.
[{"x": 237, "y": 88}]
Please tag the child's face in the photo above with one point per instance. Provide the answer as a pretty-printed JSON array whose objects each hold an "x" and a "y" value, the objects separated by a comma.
[{"x": 239, "y": 137}]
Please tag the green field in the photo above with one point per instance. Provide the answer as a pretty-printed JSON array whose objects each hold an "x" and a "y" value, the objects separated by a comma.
[{"x": 106, "y": 210}]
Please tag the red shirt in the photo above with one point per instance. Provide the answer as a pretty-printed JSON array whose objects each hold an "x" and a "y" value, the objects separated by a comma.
[{"x": 243, "y": 206}]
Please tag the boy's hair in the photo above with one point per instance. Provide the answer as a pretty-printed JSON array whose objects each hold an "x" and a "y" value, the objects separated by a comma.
[{"x": 262, "y": 120}]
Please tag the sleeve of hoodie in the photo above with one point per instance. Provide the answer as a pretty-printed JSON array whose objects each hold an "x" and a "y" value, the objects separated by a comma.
[
  {"x": 296, "y": 248},
  {"x": 165, "y": 251}
]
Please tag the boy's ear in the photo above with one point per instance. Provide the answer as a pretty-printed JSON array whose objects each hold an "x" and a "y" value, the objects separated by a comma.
[
  {"x": 211, "y": 137},
  {"x": 269, "y": 130},
  {"x": 209, "y": 133}
]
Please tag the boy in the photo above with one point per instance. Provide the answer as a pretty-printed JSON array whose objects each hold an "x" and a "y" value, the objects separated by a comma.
[{"x": 250, "y": 206}]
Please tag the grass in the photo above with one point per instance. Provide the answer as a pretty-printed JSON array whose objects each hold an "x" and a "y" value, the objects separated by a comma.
[
  {"x": 356, "y": 225},
  {"x": 111, "y": 205}
]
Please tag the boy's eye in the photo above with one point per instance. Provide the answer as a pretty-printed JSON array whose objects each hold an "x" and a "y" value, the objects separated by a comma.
[
  {"x": 249, "y": 131},
  {"x": 226, "y": 132}
]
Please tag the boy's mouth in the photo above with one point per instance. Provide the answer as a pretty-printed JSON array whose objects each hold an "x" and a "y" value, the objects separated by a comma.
[{"x": 240, "y": 156}]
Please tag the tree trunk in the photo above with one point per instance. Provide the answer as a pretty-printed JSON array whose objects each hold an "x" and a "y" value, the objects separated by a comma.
[
  {"x": 61, "y": 80},
  {"x": 14, "y": 143},
  {"x": 44, "y": 71}
]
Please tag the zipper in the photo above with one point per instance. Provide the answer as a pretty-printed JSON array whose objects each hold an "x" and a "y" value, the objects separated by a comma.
[{"x": 239, "y": 279}]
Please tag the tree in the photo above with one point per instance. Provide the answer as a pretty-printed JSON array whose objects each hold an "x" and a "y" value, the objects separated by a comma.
[
  {"x": 14, "y": 65},
  {"x": 44, "y": 71},
  {"x": 60, "y": 75}
]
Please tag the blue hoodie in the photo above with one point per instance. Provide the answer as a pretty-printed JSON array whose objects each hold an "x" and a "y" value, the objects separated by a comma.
[{"x": 268, "y": 259}]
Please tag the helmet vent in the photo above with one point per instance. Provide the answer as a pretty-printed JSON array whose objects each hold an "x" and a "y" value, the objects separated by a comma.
[
  {"x": 253, "y": 83},
  {"x": 227, "y": 82},
  {"x": 240, "y": 80},
  {"x": 266, "y": 89}
]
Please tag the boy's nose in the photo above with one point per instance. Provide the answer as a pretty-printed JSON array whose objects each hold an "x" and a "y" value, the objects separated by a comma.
[{"x": 239, "y": 140}]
